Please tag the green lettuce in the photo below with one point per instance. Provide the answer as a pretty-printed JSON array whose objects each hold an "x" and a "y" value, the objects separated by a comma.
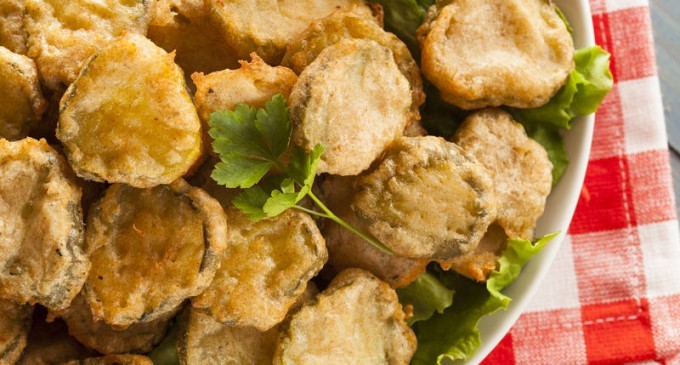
[
  {"x": 549, "y": 137},
  {"x": 403, "y": 17},
  {"x": 453, "y": 334},
  {"x": 426, "y": 295},
  {"x": 166, "y": 351},
  {"x": 583, "y": 92}
]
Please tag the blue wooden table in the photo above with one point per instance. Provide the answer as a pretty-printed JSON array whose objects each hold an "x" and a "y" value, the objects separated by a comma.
[{"x": 666, "y": 23}]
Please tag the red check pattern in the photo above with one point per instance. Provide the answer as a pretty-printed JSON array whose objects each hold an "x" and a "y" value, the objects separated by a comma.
[{"x": 619, "y": 267}]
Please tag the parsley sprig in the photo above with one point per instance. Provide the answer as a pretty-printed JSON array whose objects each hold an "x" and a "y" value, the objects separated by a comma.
[{"x": 250, "y": 142}]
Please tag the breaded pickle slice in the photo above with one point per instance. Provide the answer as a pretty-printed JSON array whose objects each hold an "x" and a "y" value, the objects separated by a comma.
[
  {"x": 15, "y": 321},
  {"x": 97, "y": 335},
  {"x": 21, "y": 101},
  {"x": 347, "y": 250},
  {"x": 254, "y": 83},
  {"x": 519, "y": 166},
  {"x": 482, "y": 53},
  {"x": 426, "y": 199},
  {"x": 184, "y": 26},
  {"x": 151, "y": 250},
  {"x": 480, "y": 262},
  {"x": 129, "y": 118},
  {"x": 12, "y": 31},
  {"x": 354, "y": 101},
  {"x": 356, "y": 320},
  {"x": 41, "y": 226},
  {"x": 127, "y": 359},
  {"x": 307, "y": 46},
  {"x": 264, "y": 270},
  {"x": 205, "y": 341},
  {"x": 267, "y": 26},
  {"x": 62, "y": 35}
]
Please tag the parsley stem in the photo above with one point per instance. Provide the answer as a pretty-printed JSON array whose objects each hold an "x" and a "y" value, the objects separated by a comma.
[
  {"x": 309, "y": 211},
  {"x": 349, "y": 227}
]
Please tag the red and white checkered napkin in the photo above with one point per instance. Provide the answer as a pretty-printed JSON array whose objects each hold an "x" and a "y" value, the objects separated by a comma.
[{"x": 612, "y": 295}]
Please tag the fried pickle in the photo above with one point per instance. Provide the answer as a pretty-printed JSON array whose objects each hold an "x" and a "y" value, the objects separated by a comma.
[
  {"x": 352, "y": 99},
  {"x": 184, "y": 26},
  {"x": 205, "y": 341},
  {"x": 151, "y": 250},
  {"x": 266, "y": 27},
  {"x": 306, "y": 47},
  {"x": 15, "y": 321},
  {"x": 480, "y": 262},
  {"x": 128, "y": 118},
  {"x": 41, "y": 226},
  {"x": 519, "y": 167},
  {"x": 126, "y": 359},
  {"x": 482, "y": 53},
  {"x": 347, "y": 250},
  {"x": 426, "y": 199},
  {"x": 22, "y": 103},
  {"x": 356, "y": 320},
  {"x": 12, "y": 31},
  {"x": 97, "y": 335},
  {"x": 62, "y": 35},
  {"x": 265, "y": 269}
]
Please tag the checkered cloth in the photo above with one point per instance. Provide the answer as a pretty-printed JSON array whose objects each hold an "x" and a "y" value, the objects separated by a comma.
[{"x": 612, "y": 295}]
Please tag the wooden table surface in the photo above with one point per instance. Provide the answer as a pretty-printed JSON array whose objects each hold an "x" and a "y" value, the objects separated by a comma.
[{"x": 666, "y": 24}]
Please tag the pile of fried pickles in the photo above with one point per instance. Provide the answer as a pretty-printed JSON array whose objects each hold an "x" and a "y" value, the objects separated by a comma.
[{"x": 112, "y": 230}]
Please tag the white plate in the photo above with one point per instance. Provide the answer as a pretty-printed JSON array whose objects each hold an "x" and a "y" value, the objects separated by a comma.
[{"x": 560, "y": 206}]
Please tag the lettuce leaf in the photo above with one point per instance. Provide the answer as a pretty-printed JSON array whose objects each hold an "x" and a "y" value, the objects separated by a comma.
[
  {"x": 426, "y": 295},
  {"x": 549, "y": 137},
  {"x": 166, "y": 351},
  {"x": 583, "y": 92},
  {"x": 403, "y": 17},
  {"x": 454, "y": 334}
]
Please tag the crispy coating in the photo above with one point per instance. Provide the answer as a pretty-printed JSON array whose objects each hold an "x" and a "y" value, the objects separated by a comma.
[
  {"x": 352, "y": 99},
  {"x": 41, "y": 226},
  {"x": 479, "y": 263},
  {"x": 151, "y": 250},
  {"x": 50, "y": 343},
  {"x": 266, "y": 27},
  {"x": 205, "y": 341},
  {"x": 97, "y": 335},
  {"x": 519, "y": 167},
  {"x": 265, "y": 269},
  {"x": 126, "y": 359},
  {"x": 62, "y": 35},
  {"x": 347, "y": 250},
  {"x": 356, "y": 320},
  {"x": 185, "y": 27},
  {"x": 22, "y": 103},
  {"x": 12, "y": 31},
  {"x": 129, "y": 118},
  {"x": 348, "y": 24},
  {"x": 426, "y": 199},
  {"x": 15, "y": 321},
  {"x": 253, "y": 84},
  {"x": 495, "y": 52}
]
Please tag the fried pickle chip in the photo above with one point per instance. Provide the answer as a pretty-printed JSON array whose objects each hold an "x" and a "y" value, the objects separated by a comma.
[
  {"x": 151, "y": 250},
  {"x": 322, "y": 33},
  {"x": 496, "y": 52},
  {"x": 347, "y": 250},
  {"x": 128, "y": 118},
  {"x": 265, "y": 269},
  {"x": 62, "y": 35},
  {"x": 15, "y": 321},
  {"x": 97, "y": 335},
  {"x": 253, "y": 84},
  {"x": 126, "y": 359},
  {"x": 480, "y": 262},
  {"x": 12, "y": 31},
  {"x": 356, "y": 320},
  {"x": 41, "y": 226},
  {"x": 205, "y": 341},
  {"x": 354, "y": 101},
  {"x": 426, "y": 199},
  {"x": 21, "y": 103},
  {"x": 519, "y": 167},
  {"x": 184, "y": 26},
  {"x": 266, "y": 27}
]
